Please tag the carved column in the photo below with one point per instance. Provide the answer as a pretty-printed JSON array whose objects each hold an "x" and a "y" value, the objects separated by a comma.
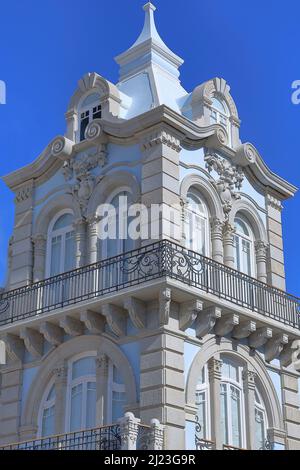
[
  {"x": 93, "y": 239},
  {"x": 156, "y": 436},
  {"x": 214, "y": 373},
  {"x": 80, "y": 238},
  {"x": 249, "y": 390},
  {"x": 102, "y": 363},
  {"x": 228, "y": 242},
  {"x": 217, "y": 239},
  {"x": 39, "y": 253},
  {"x": 261, "y": 260},
  {"x": 129, "y": 429},
  {"x": 60, "y": 403}
]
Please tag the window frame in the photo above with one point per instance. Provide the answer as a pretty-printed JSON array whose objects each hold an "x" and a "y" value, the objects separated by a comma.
[
  {"x": 248, "y": 238},
  {"x": 58, "y": 232},
  {"x": 221, "y": 114},
  {"x": 88, "y": 111},
  {"x": 43, "y": 408},
  {"x": 205, "y": 388},
  {"x": 194, "y": 193}
]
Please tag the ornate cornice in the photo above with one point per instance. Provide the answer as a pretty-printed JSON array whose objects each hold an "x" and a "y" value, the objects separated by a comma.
[
  {"x": 161, "y": 137},
  {"x": 273, "y": 202}
]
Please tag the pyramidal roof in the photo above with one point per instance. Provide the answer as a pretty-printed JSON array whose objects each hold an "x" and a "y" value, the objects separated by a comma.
[{"x": 148, "y": 49}]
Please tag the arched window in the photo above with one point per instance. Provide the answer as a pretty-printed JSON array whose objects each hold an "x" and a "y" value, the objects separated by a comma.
[
  {"x": 47, "y": 413},
  {"x": 220, "y": 115},
  {"x": 118, "y": 240},
  {"x": 232, "y": 419},
  {"x": 82, "y": 393},
  {"x": 90, "y": 109},
  {"x": 244, "y": 247},
  {"x": 196, "y": 224},
  {"x": 260, "y": 422},
  {"x": 61, "y": 245}
]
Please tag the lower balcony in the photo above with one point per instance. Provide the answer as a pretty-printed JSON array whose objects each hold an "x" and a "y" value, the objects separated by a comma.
[{"x": 157, "y": 261}]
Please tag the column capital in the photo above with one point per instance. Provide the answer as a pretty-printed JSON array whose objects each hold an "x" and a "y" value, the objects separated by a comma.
[
  {"x": 60, "y": 373},
  {"x": 93, "y": 219},
  {"x": 102, "y": 364},
  {"x": 215, "y": 368},
  {"x": 80, "y": 224},
  {"x": 260, "y": 248},
  {"x": 216, "y": 226},
  {"x": 249, "y": 377},
  {"x": 228, "y": 231}
]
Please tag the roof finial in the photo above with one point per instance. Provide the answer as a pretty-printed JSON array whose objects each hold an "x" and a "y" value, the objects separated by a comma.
[{"x": 149, "y": 29}]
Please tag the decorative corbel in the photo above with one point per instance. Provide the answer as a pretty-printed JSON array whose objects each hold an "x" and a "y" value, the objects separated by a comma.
[
  {"x": 115, "y": 317},
  {"x": 275, "y": 345},
  {"x": 244, "y": 330},
  {"x": 14, "y": 347},
  {"x": 226, "y": 324},
  {"x": 72, "y": 326},
  {"x": 136, "y": 310},
  {"x": 188, "y": 313},
  {"x": 260, "y": 337},
  {"x": 93, "y": 321},
  {"x": 33, "y": 341},
  {"x": 164, "y": 306},
  {"x": 207, "y": 320},
  {"x": 52, "y": 333}
]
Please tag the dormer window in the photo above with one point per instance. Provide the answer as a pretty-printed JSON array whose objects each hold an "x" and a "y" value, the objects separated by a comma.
[
  {"x": 89, "y": 110},
  {"x": 220, "y": 115}
]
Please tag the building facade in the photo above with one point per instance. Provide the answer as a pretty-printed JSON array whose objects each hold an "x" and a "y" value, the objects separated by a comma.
[{"x": 185, "y": 334}]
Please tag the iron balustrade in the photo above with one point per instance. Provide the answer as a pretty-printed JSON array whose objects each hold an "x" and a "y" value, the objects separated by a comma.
[
  {"x": 157, "y": 260},
  {"x": 103, "y": 438}
]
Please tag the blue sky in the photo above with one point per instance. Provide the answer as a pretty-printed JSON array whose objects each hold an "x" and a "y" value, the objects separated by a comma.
[{"x": 46, "y": 46}]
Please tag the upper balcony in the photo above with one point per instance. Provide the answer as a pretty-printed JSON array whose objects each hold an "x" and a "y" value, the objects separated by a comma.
[{"x": 141, "y": 274}]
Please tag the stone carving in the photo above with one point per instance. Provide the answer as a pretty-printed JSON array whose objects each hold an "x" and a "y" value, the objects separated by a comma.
[
  {"x": 164, "y": 306},
  {"x": 93, "y": 130},
  {"x": 23, "y": 193},
  {"x": 161, "y": 137},
  {"x": 61, "y": 147},
  {"x": 274, "y": 202},
  {"x": 81, "y": 170},
  {"x": 230, "y": 178}
]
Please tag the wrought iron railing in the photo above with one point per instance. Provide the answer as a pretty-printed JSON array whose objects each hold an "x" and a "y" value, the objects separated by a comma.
[
  {"x": 204, "y": 444},
  {"x": 157, "y": 260},
  {"x": 103, "y": 438},
  {"x": 228, "y": 447}
]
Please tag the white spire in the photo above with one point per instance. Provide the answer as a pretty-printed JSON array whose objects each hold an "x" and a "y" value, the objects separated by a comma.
[
  {"x": 149, "y": 48},
  {"x": 149, "y": 30}
]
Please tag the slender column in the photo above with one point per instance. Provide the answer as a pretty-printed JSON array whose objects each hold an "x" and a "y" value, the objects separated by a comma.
[
  {"x": 217, "y": 239},
  {"x": 214, "y": 373},
  {"x": 249, "y": 390},
  {"x": 102, "y": 390},
  {"x": 39, "y": 242},
  {"x": 93, "y": 239},
  {"x": 60, "y": 402},
  {"x": 261, "y": 260},
  {"x": 80, "y": 237},
  {"x": 228, "y": 241}
]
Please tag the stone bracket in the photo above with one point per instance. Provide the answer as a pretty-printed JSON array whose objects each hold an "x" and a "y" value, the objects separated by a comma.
[
  {"x": 52, "y": 333},
  {"x": 164, "y": 306},
  {"x": 72, "y": 326},
  {"x": 33, "y": 341},
  {"x": 275, "y": 345},
  {"x": 244, "y": 330},
  {"x": 206, "y": 321},
  {"x": 260, "y": 337},
  {"x": 136, "y": 311},
  {"x": 115, "y": 317},
  {"x": 93, "y": 321},
  {"x": 226, "y": 324},
  {"x": 14, "y": 347},
  {"x": 188, "y": 313}
]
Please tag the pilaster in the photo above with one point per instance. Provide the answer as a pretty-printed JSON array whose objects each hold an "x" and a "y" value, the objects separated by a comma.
[
  {"x": 275, "y": 269},
  {"x": 10, "y": 402},
  {"x": 60, "y": 374},
  {"x": 162, "y": 389},
  {"x": 228, "y": 241},
  {"x": 217, "y": 239},
  {"x": 102, "y": 390},
  {"x": 215, "y": 374},
  {"x": 80, "y": 227},
  {"x": 249, "y": 390},
  {"x": 261, "y": 260},
  {"x": 291, "y": 411},
  {"x": 39, "y": 256}
]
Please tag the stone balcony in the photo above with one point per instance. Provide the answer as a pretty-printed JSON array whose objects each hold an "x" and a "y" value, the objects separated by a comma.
[{"x": 209, "y": 296}]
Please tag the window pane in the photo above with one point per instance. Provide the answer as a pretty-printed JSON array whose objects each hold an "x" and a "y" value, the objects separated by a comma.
[
  {"x": 91, "y": 405},
  {"x": 51, "y": 395},
  {"x": 224, "y": 414},
  {"x": 118, "y": 402},
  {"x": 201, "y": 413},
  {"x": 83, "y": 126},
  {"x": 235, "y": 416},
  {"x": 237, "y": 260},
  {"x": 259, "y": 429},
  {"x": 84, "y": 366},
  {"x": 48, "y": 424},
  {"x": 64, "y": 221},
  {"x": 55, "y": 256},
  {"x": 70, "y": 251},
  {"x": 76, "y": 408}
]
